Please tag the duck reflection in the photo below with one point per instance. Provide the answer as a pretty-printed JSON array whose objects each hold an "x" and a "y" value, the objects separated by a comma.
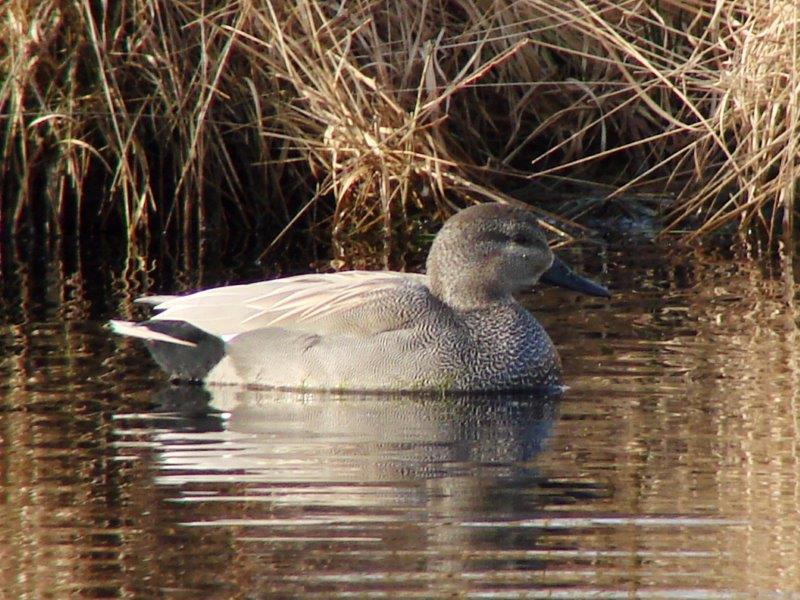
[
  {"x": 354, "y": 437},
  {"x": 311, "y": 488}
]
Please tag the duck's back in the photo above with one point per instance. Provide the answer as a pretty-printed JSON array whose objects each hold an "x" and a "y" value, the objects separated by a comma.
[{"x": 362, "y": 302}]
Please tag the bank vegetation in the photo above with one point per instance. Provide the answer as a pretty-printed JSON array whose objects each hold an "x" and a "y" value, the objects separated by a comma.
[{"x": 359, "y": 116}]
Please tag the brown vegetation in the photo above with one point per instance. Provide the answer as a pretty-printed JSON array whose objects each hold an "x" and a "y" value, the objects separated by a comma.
[{"x": 185, "y": 115}]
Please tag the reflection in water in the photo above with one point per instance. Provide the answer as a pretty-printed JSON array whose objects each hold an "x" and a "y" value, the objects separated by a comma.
[
  {"x": 421, "y": 431},
  {"x": 668, "y": 469},
  {"x": 332, "y": 492}
]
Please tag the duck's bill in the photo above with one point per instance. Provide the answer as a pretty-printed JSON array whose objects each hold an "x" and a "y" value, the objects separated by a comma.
[{"x": 561, "y": 275}]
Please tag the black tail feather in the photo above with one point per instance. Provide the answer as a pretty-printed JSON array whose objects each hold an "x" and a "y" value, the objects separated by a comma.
[{"x": 185, "y": 363}]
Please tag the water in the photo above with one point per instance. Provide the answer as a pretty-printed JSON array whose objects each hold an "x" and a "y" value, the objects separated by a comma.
[{"x": 669, "y": 469}]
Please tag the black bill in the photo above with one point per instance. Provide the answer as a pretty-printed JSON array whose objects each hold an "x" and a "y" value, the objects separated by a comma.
[{"x": 561, "y": 275}]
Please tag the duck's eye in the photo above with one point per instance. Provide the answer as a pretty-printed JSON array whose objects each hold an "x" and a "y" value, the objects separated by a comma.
[{"x": 521, "y": 239}]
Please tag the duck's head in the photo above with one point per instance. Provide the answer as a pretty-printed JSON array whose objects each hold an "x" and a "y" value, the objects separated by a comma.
[{"x": 488, "y": 252}]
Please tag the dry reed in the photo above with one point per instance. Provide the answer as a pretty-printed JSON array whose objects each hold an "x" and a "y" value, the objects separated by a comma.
[{"x": 195, "y": 114}]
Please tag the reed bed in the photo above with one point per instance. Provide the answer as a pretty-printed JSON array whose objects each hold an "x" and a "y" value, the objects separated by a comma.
[{"x": 353, "y": 117}]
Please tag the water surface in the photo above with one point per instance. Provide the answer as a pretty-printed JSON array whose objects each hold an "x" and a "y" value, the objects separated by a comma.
[{"x": 668, "y": 469}]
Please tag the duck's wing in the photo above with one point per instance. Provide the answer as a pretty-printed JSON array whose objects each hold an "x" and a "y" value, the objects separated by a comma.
[{"x": 358, "y": 302}]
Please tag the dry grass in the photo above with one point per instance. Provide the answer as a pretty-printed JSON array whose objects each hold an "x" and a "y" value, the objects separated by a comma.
[{"x": 195, "y": 114}]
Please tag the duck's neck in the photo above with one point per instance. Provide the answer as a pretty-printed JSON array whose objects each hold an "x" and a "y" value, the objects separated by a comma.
[{"x": 467, "y": 291}]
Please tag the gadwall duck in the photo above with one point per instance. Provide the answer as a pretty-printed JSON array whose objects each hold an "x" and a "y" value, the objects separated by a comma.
[{"x": 458, "y": 328}]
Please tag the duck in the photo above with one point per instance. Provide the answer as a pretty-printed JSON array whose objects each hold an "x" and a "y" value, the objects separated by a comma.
[{"x": 456, "y": 328}]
